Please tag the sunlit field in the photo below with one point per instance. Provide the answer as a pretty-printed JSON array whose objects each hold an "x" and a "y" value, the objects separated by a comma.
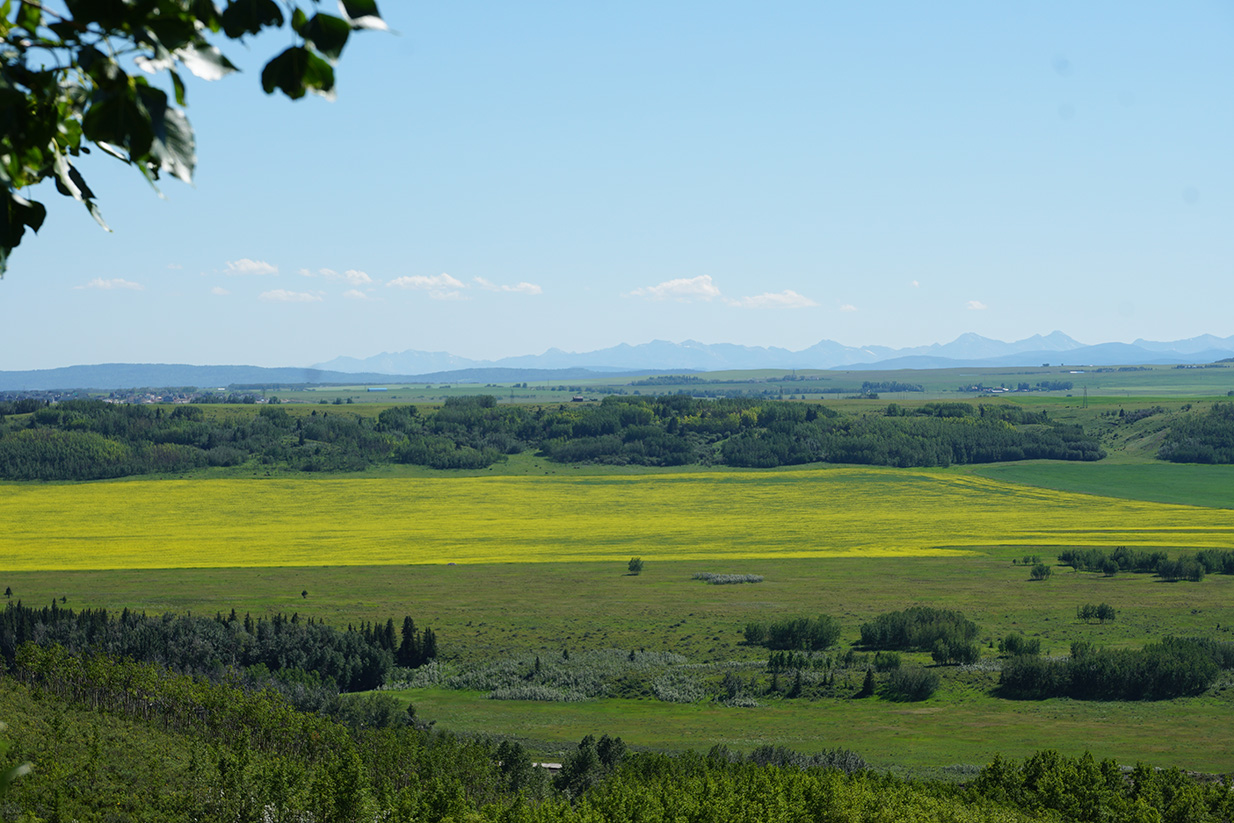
[{"x": 691, "y": 516}]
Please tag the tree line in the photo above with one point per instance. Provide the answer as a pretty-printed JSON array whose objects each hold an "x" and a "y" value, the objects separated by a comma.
[
  {"x": 1174, "y": 667},
  {"x": 308, "y": 660},
  {"x": 1200, "y": 437},
  {"x": 90, "y": 439},
  {"x": 1190, "y": 567},
  {"x": 119, "y": 739}
]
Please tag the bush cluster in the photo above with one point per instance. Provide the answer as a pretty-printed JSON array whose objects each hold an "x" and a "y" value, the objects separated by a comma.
[{"x": 1175, "y": 667}]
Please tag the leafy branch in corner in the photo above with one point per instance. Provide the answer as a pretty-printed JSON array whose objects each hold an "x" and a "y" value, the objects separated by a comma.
[{"x": 76, "y": 75}]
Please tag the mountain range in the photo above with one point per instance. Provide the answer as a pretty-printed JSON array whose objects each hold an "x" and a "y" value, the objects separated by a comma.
[
  {"x": 658, "y": 356},
  {"x": 966, "y": 350}
]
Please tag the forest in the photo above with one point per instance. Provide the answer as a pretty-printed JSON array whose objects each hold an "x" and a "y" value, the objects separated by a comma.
[
  {"x": 181, "y": 748},
  {"x": 90, "y": 440}
]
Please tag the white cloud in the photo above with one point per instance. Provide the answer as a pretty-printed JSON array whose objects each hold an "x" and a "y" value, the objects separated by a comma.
[
  {"x": 353, "y": 277},
  {"x": 355, "y": 294},
  {"x": 174, "y": 266},
  {"x": 519, "y": 288},
  {"x": 114, "y": 283},
  {"x": 848, "y": 307},
  {"x": 285, "y": 296},
  {"x": 683, "y": 289},
  {"x": 220, "y": 291},
  {"x": 787, "y": 299},
  {"x": 975, "y": 305},
  {"x": 246, "y": 266},
  {"x": 439, "y": 287},
  {"x": 916, "y": 284}
]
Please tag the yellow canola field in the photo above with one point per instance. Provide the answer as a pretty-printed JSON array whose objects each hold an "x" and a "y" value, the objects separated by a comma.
[{"x": 359, "y": 521}]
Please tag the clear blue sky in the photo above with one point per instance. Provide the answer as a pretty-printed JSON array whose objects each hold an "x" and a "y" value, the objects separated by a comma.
[{"x": 496, "y": 179}]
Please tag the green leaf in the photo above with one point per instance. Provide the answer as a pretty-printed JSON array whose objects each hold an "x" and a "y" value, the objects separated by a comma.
[
  {"x": 296, "y": 71},
  {"x": 16, "y": 213},
  {"x": 205, "y": 61},
  {"x": 327, "y": 34},
  {"x": 29, "y": 17},
  {"x": 178, "y": 84},
  {"x": 363, "y": 14},
  {"x": 174, "y": 148},
  {"x": 250, "y": 17},
  {"x": 115, "y": 118},
  {"x": 298, "y": 19}
]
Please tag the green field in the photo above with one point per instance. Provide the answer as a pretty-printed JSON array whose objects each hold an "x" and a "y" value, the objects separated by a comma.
[{"x": 530, "y": 558}]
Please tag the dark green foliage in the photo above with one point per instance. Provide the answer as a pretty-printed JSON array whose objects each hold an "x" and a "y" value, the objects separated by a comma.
[
  {"x": 1080, "y": 788},
  {"x": 1175, "y": 667},
  {"x": 1206, "y": 437},
  {"x": 1181, "y": 568},
  {"x": 88, "y": 439},
  {"x": 1102, "y": 612},
  {"x": 867, "y": 685},
  {"x": 797, "y": 634},
  {"x": 1040, "y": 571},
  {"x": 353, "y": 660},
  {"x": 1108, "y": 563},
  {"x": 1014, "y": 645},
  {"x": 918, "y": 628},
  {"x": 910, "y": 684},
  {"x": 117, "y": 740},
  {"x": 635, "y": 565}
]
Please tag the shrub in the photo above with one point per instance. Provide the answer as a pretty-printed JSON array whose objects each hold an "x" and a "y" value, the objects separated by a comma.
[
  {"x": 1014, "y": 645},
  {"x": 1040, "y": 572},
  {"x": 908, "y": 685},
  {"x": 918, "y": 628},
  {"x": 635, "y": 565}
]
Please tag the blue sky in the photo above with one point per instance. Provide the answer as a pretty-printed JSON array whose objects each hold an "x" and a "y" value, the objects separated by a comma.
[{"x": 495, "y": 179}]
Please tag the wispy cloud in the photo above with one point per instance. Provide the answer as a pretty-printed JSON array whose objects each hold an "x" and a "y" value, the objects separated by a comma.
[
  {"x": 174, "y": 266},
  {"x": 439, "y": 287},
  {"x": 975, "y": 305},
  {"x": 246, "y": 266},
  {"x": 915, "y": 284},
  {"x": 787, "y": 299},
  {"x": 355, "y": 294},
  {"x": 353, "y": 277},
  {"x": 682, "y": 289},
  {"x": 848, "y": 307},
  {"x": 113, "y": 283},
  {"x": 285, "y": 296},
  {"x": 517, "y": 288},
  {"x": 220, "y": 291}
]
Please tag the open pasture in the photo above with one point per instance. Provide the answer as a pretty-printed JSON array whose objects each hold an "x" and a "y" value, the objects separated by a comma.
[{"x": 702, "y": 516}]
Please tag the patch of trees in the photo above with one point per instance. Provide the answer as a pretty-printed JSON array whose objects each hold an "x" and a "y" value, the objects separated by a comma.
[
  {"x": 299, "y": 655},
  {"x": 796, "y": 634},
  {"x": 1183, "y": 567},
  {"x": 90, "y": 439},
  {"x": 1014, "y": 645},
  {"x": 180, "y": 748},
  {"x": 1206, "y": 437},
  {"x": 945, "y": 633},
  {"x": 869, "y": 387},
  {"x": 1175, "y": 667},
  {"x": 909, "y": 685},
  {"x": 1101, "y": 612}
]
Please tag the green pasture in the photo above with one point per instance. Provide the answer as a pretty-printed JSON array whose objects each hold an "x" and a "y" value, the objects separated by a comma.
[
  {"x": 1191, "y": 485},
  {"x": 1105, "y": 383},
  {"x": 959, "y": 726},
  {"x": 483, "y": 612}
]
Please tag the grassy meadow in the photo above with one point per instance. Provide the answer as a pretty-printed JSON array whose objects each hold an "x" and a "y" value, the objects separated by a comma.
[{"x": 529, "y": 557}]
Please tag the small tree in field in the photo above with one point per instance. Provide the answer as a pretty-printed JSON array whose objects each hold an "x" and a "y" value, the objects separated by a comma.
[
  {"x": 1040, "y": 572},
  {"x": 636, "y": 565}
]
